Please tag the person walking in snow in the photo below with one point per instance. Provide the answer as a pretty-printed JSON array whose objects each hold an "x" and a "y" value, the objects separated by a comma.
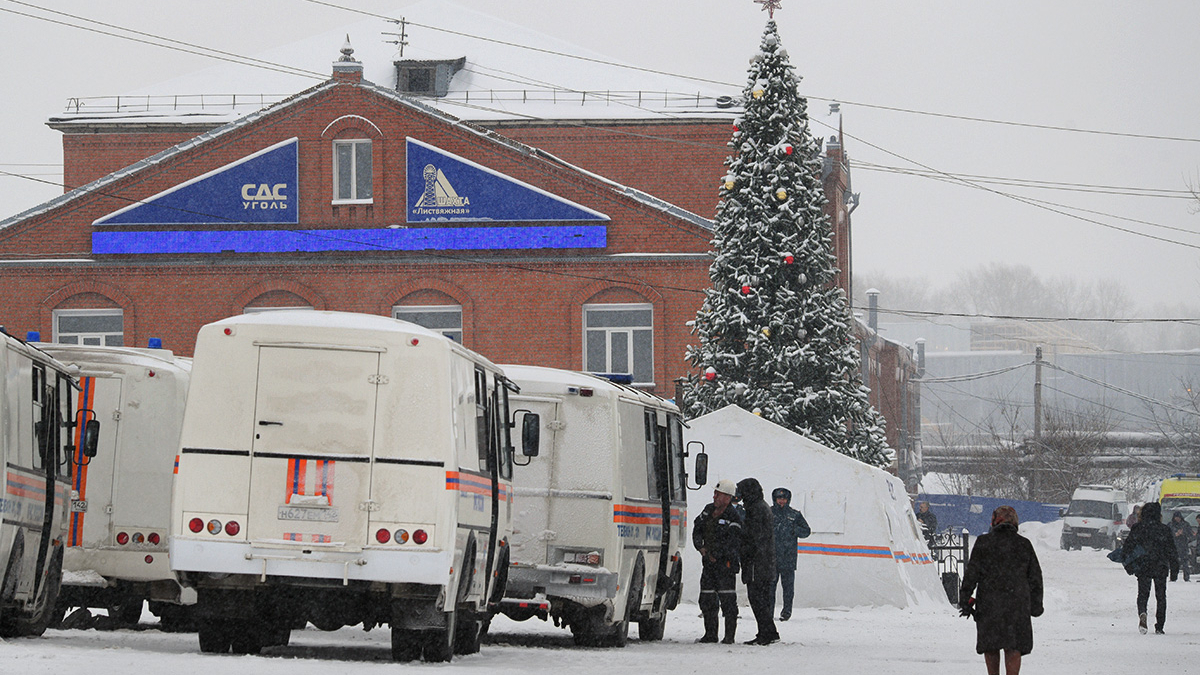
[
  {"x": 790, "y": 525},
  {"x": 1182, "y": 534},
  {"x": 717, "y": 535},
  {"x": 1151, "y": 564},
  {"x": 758, "y": 559},
  {"x": 1004, "y": 574},
  {"x": 1134, "y": 515}
]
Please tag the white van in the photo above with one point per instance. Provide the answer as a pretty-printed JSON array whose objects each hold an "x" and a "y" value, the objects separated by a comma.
[
  {"x": 601, "y": 517},
  {"x": 116, "y": 553},
  {"x": 342, "y": 469},
  {"x": 1095, "y": 517},
  {"x": 39, "y": 436}
]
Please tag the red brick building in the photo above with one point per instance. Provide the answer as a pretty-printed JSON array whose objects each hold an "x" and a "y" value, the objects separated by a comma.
[{"x": 314, "y": 202}]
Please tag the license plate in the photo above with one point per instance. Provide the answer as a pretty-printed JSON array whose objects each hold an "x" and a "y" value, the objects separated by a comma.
[
  {"x": 1083, "y": 534},
  {"x": 305, "y": 513},
  {"x": 78, "y": 506}
]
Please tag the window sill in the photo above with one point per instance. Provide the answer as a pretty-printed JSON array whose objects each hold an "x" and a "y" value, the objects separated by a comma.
[{"x": 352, "y": 202}]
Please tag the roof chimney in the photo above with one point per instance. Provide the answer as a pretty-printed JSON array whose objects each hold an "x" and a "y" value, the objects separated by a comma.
[
  {"x": 346, "y": 68},
  {"x": 873, "y": 309}
]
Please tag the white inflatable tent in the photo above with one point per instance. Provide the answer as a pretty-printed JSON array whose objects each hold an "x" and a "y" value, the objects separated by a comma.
[{"x": 865, "y": 548}]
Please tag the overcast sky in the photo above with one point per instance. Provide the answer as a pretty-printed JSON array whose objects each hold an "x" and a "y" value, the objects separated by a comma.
[{"x": 1121, "y": 67}]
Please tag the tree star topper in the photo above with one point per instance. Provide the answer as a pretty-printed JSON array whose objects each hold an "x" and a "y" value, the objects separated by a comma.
[{"x": 770, "y": 6}]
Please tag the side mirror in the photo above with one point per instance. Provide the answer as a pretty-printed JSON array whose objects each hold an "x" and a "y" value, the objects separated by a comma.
[
  {"x": 1062, "y": 512},
  {"x": 531, "y": 432},
  {"x": 701, "y": 469},
  {"x": 91, "y": 437}
]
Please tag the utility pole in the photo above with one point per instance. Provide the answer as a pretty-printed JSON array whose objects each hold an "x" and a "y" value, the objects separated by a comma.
[{"x": 1037, "y": 423}]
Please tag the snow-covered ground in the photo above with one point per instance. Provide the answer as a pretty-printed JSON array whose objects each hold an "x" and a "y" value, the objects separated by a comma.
[{"x": 1089, "y": 627}]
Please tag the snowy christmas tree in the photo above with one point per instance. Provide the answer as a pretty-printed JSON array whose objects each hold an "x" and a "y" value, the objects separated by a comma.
[{"x": 774, "y": 330}]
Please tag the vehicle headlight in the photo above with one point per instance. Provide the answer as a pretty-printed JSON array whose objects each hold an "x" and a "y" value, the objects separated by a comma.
[{"x": 1066, "y": 528}]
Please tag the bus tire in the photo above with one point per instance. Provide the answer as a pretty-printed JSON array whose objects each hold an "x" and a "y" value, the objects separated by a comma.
[
  {"x": 127, "y": 612},
  {"x": 439, "y": 643},
  {"x": 214, "y": 636},
  {"x": 651, "y": 629},
  {"x": 468, "y": 633},
  {"x": 619, "y": 632},
  {"x": 406, "y": 644}
]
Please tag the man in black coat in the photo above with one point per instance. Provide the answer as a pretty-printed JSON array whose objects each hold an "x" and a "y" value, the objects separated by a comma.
[
  {"x": 758, "y": 559},
  {"x": 1156, "y": 559},
  {"x": 790, "y": 525},
  {"x": 1004, "y": 573},
  {"x": 1183, "y": 535},
  {"x": 717, "y": 535}
]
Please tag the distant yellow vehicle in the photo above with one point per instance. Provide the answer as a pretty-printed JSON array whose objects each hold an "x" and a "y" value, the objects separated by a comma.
[{"x": 1180, "y": 491}]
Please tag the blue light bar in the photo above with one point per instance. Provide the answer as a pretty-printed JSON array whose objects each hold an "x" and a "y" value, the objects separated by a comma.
[
  {"x": 376, "y": 239},
  {"x": 154, "y": 343},
  {"x": 33, "y": 336}
]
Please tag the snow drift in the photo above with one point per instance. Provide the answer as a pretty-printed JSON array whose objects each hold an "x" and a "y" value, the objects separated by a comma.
[{"x": 865, "y": 548}]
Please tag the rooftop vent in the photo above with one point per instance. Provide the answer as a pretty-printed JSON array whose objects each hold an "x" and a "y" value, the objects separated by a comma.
[{"x": 426, "y": 78}]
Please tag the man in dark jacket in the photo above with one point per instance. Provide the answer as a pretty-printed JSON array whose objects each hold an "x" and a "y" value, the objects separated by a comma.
[
  {"x": 717, "y": 535},
  {"x": 1156, "y": 559},
  {"x": 1182, "y": 534},
  {"x": 1004, "y": 573},
  {"x": 928, "y": 522},
  {"x": 790, "y": 525},
  {"x": 758, "y": 559}
]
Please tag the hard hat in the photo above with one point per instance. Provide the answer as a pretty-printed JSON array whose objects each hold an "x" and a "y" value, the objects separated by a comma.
[{"x": 727, "y": 486}]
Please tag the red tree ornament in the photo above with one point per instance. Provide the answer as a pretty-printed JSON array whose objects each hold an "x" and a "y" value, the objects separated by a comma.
[
  {"x": 788, "y": 258},
  {"x": 745, "y": 289},
  {"x": 787, "y": 149},
  {"x": 710, "y": 373}
]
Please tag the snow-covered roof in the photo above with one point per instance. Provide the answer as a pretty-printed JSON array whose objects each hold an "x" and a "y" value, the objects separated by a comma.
[
  {"x": 501, "y": 79},
  {"x": 419, "y": 104}
]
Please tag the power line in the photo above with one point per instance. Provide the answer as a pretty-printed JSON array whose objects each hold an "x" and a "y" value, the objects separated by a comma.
[
  {"x": 1032, "y": 319},
  {"x": 185, "y": 47},
  {"x": 738, "y": 87},
  {"x": 972, "y": 376}
]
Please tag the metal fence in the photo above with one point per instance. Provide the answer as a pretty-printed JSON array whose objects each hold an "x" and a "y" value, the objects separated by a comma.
[{"x": 950, "y": 551}]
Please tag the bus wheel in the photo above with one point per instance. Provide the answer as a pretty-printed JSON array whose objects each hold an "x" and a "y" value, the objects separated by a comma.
[
  {"x": 214, "y": 636},
  {"x": 127, "y": 612},
  {"x": 468, "y": 633},
  {"x": 406, "y": 644},
  {"x": 247, "y": 637},
  {"x": 651, "y": 629},
  {"x": 439, "y": 643},
  {"x": 619, "y": 636}
]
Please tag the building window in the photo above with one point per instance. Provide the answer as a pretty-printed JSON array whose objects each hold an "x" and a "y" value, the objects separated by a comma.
[
  {"x": 444, "y": 319},
  {"x": 89, "y": 327},
  {"x": 352, "y": 172},
  {"x": 619, "y": 339}
]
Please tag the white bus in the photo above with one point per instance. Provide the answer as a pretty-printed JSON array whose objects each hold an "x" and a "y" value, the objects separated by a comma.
[
  {"x": 116, "y": 550},
  {"x": 343, "y": 469},
  {"x": 38, "y": 436},
  {"x": 602, "y": 515}
]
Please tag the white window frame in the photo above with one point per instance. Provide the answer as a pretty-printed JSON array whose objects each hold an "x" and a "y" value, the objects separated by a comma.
[
  {"x": 88, "y": 338},
  {"x": 356, "y": 145},
  {"x": 619, "y": 333},
  {"x": 397, "y": 310},
  {"x": 261, "y": 310}
]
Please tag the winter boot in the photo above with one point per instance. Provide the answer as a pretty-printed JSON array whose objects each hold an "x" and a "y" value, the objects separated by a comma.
[
  {"x": 1142, "y": 623},
  {"x": 710, "y": 628},
  {"x": 730, "y": 630}
]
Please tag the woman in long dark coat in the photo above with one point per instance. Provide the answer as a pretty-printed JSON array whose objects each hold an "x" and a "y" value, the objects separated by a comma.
[{"x": 1004, "y": 574}]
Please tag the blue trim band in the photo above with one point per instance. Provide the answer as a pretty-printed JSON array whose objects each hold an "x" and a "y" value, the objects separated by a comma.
[{"x": 382, "y": 239}]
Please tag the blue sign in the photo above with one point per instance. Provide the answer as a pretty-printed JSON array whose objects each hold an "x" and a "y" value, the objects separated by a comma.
[
  {"x": 445, "y": 187},
  {"x": 974, "y": 514},
  {"x": 257, "y": 189},
  {"x": 117, "y": 242}
]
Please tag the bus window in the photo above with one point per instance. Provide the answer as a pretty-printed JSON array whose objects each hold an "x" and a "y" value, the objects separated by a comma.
[
  {"x": 65, "y": 420},
  {"x": 653, "y": 456},
  {"x": 678, "y": 475},
  {"x": 481, "y": 420},
  {"x": 41, "y": 413},
  {"x": 503, "y": 431}
]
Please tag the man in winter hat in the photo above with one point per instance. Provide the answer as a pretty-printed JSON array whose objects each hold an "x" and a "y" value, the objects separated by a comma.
[
  {"x": 717, "y": 535},
  {"x": 758, "y": 559},
  {"x": 1156, "y": 559},
  {"x": 790, "y": 525}
]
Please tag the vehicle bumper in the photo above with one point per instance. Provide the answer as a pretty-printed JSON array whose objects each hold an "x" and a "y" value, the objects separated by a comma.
[
  {"x": 262, "y": 560},
  {"x": 554, "y": 581}
]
